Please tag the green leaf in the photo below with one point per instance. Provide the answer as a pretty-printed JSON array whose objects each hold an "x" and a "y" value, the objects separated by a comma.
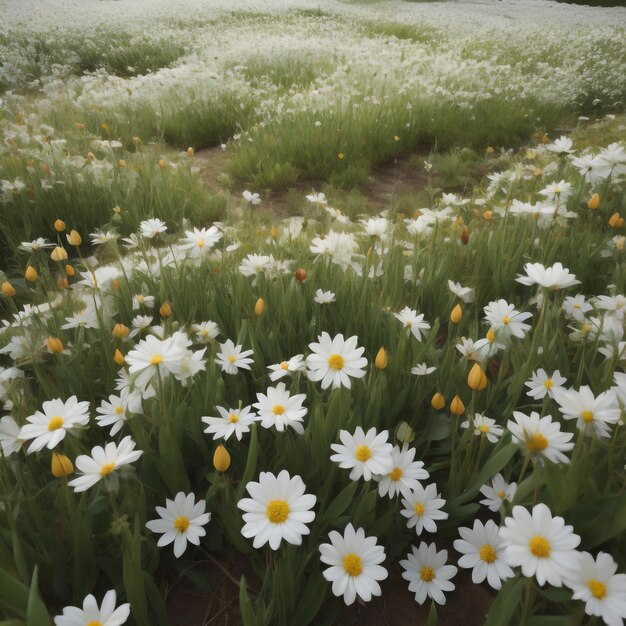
[
  {"x": 311, "y": 600},
  {"x": 134, "y": 578},
  {"x": 599, "y": 520},
  {"x": 36, "y": 612},
  {"x": 253, "y": 451},
  {"x": 341, "y": 502},
  {"x": 553, "y": 620},
  {"x": 245, "y": 606},
  {"x": 432, "y": 615},
  {"x": 13, "y": 594},
  {"x": 506, "y": 603}
]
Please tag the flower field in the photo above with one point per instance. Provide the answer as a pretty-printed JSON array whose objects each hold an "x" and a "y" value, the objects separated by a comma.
[{"x": 312, "y": 313}]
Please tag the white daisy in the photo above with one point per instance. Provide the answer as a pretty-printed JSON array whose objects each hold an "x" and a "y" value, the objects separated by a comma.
[
  {"x": 152, "y": 227},
  {"x": 541, "y": 544},
  {"x": 279, "y": 509},
  {"x": 466, "y": 294},
  {"x": 235, "y": 421},
  {"x": 354, "y": 561},
  {"x": 483, "y": 550},
  {"x": 205, "y": 331},
  {"x": 90, "y": 614},
  {"x": 231, "y": 358},
  {"x": 575, "y": 307},
  {"x": 554, "y": 277},
  {"x": 335, "y": 360},
  {"x": 540, "y": 384},
  {"x": 405, "y": 475},
  {"x": 115, "y": 412},
  {"x": 427, "y": 573},
  {"x": 485, "y": 426},
  {"x": 278, "y": 408},
  {"x": 413, "y": 322},
  {"x": 10, "y": 440},
  {"x": 506, "y": 320},
  {"x": 497, "y": 493},
  {"x": 181, "y": 520},
  {"x": 284, "y": 368},
  {"x": 422, "y": 369},
  {"x": 422, "y": 508},
  {"x": 324, "y": 297},
  {"x": 366, "y": 453},
  {"x": 251, "y": 198},
  {"x": 140, "y": 300},
  {"x": 199, "y": 242}
]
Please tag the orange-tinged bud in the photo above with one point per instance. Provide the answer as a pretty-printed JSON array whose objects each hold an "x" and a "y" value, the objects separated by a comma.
[
  {"x": 456, "y": 406},
  {"x": 59, "y": 254},
  {"x": 300, "y": 275},
  {"x": 490, "y": 150},
  {"x": 69, "y": 270},
  {"x": 614, "y": 220},
  {"x": 594, "y": 202},
  {"x": 60, "y": 465},
  {"x": 491, "y": 335},
  {"x": 438, "y": 401},
  {"x": 221, "y": 459},
  {"x": 165, "y": 310},
  {"x": 122, "y": 163},
  {"x": 456, "y": 314},
  {"x": 538, "y": 171},
  {"x": 74, "y": 239},
  {"x": 118, "y": 357},
  {"x": 120, "y": 331},
  {"x": 476, "y": 378},
  {"x": 31, "y": 274},
  {"x": 190, "y": 152},
  {"x": 59, "y": 226},
  {"x": 8, "y": 289},
  {"x": 487, "y": 215},
  {"x": 54, "y": 345},
  {"x": 116, "y": 283},
  {"x": 62, "y": 283},
  {"x": 465, "y": 235},
  {"x": 259, "y": 307},
  {"x": 162, "y": 163},
  {"x": 381, "y": 359},
  {"x": 620, "y": 222}
]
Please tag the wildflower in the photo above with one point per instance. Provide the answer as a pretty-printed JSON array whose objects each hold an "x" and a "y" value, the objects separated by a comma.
[
  {"x": 438, "y": 401},
  {"x": 58, "y": 254},
  {"x": 231, "y": 421},
  {"x": 476, "y": 378},
  {"x": 594, "y": 202},
  {"x": 106, "y": 615},
  {"x": 118, "y": 357},
  {"x": 317, "y": 198},
  {"x": 254, "y": 264},
  {"x": 427, "y": 573},
  {"x": 554, "y": 277},
  {"x": 284, "y": 368},
  {"x": 381, "y": 359},
  {"x": 152, "y": 355},
  {"x": 100, "y": 237},
  {"x": 423, "y": 507},
  {"x": 485, "y": 426},
  {"x": 405, "y": 476},
  {"x": 497, "y": 493},
  {"x": 152, "y": 227},
  {"x": 200, "y": 241},
  {"x": 422, "y": 369},
  {"x": 251, "y": 198},
  {"x": 456, "y": 314},
  {"x": 259, "y": 307},
  {"x": 120, "y": 331},
  {"x": 181, "y": 520},
  {"x": 324, "y": 297},
  {"x": 355, "y": 564},
  {"x": 60, "y": 465},
  {"x": 115, "y": 412},
  {"x": 8, "y": 290},
  {"x": 104, "y": 463},
  {"x": 48, "y": 429},
  {"x": 54, "y": 345},
  {"x": 59, "y": 226},
  {"x": 205, "y": 331},
  {"x": 575, "y": 307},
  {"x": 335, "y": 360},
  {"x": 562, "y": 145},
  {"x": 540, "y": 384},
  {"x": 506, "y": 320},
  {"x": 140, "y": 300},
  {"x": 557, "y": 191},
  {"x": 231, "y": 358},
  {"x": 279, "y": 509},
  {"x": 280, "y": 409},
  {"x": 457, "y": 407},
  {"x": 31, "y": 274},
  {"x": 10, "y": 439},
  {"x": 165, "y": 310},
  {"x": 483, "y": 550},
  {"x": 300, "y": 275},
  {"x": 365, "y": 453},
  {"x": 221, "y": 459},
  {"x": 541, "y": 544},
  {"x": 74, "y": 238},
  {"x": 466, "y": 294},
  {"x": 413, "y": 322}
]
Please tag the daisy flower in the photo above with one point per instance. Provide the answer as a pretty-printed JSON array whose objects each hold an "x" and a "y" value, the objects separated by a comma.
[
  {"x": 205, "y": 331},
  {"x": 485, "y": 426},
  {"x": 540, "y": 436},
  {"x": 405, "y": 475},
  {"x": 140, "y": 300},
  {"x": 335, "y": 360},
  {"x": 251, "y": 198},
  {"x": 541, "y": 544},
  {"x": 231, "y": 358},
  {"x": 37, "y": 244},
  {"x": 114, "y": 412},
  {"x": 595, "y": 582},
  {"x": 100, "y": 237},
  {"x": 48, "y": 428},
  {"x": 278, "y": 509},
  {"x": 483, "y": 549},
  {"x": 104, "y": 463},
  {"x": 355, "y": 564},
  {"x": 317, "y": 198},
  {"x": 540, "y": 384},
  {"x": 466, "y": 294},
  {"x": 592, "y": 414},
  {"x": 422, "y": 508},
  {"x": 421, "y": 369},
  {"x": 427, "y": 573},
  {"x": 10, "y": 441},
  {"x": 497, "y": 493},
  {"x": 413, "y": 322},
  {"x": 106, "y": 615},
  {"x": 254, "y": 264},
  {"x": 557, "y": 191},
  {"x": 366, "y": 453},
  {"x": 575, "y": 307},
  {"x": 181, "y": 520},
  {"x": 278, "y": 408},
  {"x": 506, "y": 320},
  {"x": 200, "y": 241},
  {"x": 152, "y": 227},
  {"x": 554, "y": 277},
  {"x": 231, "y": 421},
  {"x": 284, "y": 368},
  {"x": 562, "y": 145},
  {"x": 324, "y": 297}
]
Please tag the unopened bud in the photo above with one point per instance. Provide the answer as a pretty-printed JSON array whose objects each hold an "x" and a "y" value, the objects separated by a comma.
[
  {"x": 120, "y": 331},
  {"x": 594, "y": 202},
  {"x": 456, "y": 406},
  {"x": 221, "y": 459},
  {"x": 438, "y": 401},
  {"x": 74, "y": 239},
  {"x": 259, "y": 307},
  {"x": 8, "y": 290},
  {"x": 165, "y": 309},
  {"x": 54, "y": 345},
  {"x": 60, "y": 465},
  {"x": 59, "y": 226},
  {"x": 118, "y": 357},
  {"x": 69, "y": 270},
  {"x": 457, "y": 314},
  {"x": 476, "y": 378},
  {"x": 58, "y": 254},
  {"x": 381, "y": 359},
  {"x": 31, "y": 274}
]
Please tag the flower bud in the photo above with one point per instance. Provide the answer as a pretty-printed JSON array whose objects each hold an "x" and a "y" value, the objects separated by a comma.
[
  {"x": 58, "y": 254},
  {"x": 491, "y": 335},
  {"x": 31, "y": 274},
  {"x": 594, "y": 202},
  {"x": 259, "y": 307},
  {"x": 457, "y": 314},
  {"x": 54, "y": 345},
  {"x": 476, "y": 378},
  {"x": 221, "y": 459},
  {"x": 60, "y": 465},
  {"x": 120, "y": 331},
  {"x": 122, "y": 163},
  {"x": 381, "y": 359},
  {"x": 465, "y": 235},
  {"x": 456, "y": 406},
  {"x": 8, "y": 289},
  {"x": 74, "y": 239},
  {"x": 69, "y": 270},
  {"x": 487, "y": 215},
  {"x": 300, "y": 275},
  {"x": 162, "y": 163},
  {"x": 59, "y": 226},
  {"x": 438, "y": 401},
  {"x": 614, "y": 220},
  {"x": 118, "y": 357},
  {"x": 165, "y": 309},
  {"x": 190, "y": 152},
  {"x": 405, "y": 433},
  {"x": 62, "y": 283}
]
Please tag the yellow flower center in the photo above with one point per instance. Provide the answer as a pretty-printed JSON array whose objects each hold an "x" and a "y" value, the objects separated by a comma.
[
  {"x": 157, "y": 359},
  {"x": 200, "y": 243},
  {"x": 587, "y": 416},
  {"x": 548, "y": 383},
  {"x": 232, "y": 358},
  {"x": 506, "y": 320},
  {"x": 487, "y": 553},
  {"x": 233, "y": 418},
  {"x": 539, "y": 546},
  {"x": 396, "y": 473},
  {"x": 598, "y": 589},
  {"x": 335, "y": 361},
  {"x": 484, "y": 428},
  {"x": 106, "y": 469},
  {"x": 94, "y": 622},
  {"x": 55, "y": 423},
  {"x": 181, "y": 523},
  {"x": 427, "y": 574},
  {"x": 119, "y": 410},
  {"x": 352, "y": 564},
  {"x": 419, "y": 509},
  {"x": 284, "y": 366},
  {"x": 279, "y": 409},
  {"x": 501, "y": 494},
  {"x": 363, "y": 453},
  {"x": 536, "y": 442},
  {"x": 277, "y": 511},
  {"x": 140, "y": 299}
]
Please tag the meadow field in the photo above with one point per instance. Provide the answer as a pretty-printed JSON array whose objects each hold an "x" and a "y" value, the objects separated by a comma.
[{"x": 312, "y": 312}]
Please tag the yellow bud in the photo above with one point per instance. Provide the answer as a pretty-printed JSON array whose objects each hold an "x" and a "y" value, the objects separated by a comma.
[
  {"x": 116, "y": 283},
  {"x": 381, "y": 359},
  {"x": 221, "y": 459},
  {"x": 620, "y": 222},
  {"x": 165, "y": 309},
  {"x": 456, "y": 406},
  {"x": 62, "y": 283},
  {"x": 476, "y": 378},
  {"x": 118, "y": 357},
  {"x": 487, "y": 215},
  {"x": 58, "y": 254},
  {"x": 405, "y": 433},
  {"x": 490, "y": 150},
  {"x": 74, "y": 239},
  {"x": 120, "y": 331},
  {"x": 8, "y": 289},
  {"x": 614, "y": 220},
  {"x": 54, "y": 345},
  {"x": 162, "y": 163},
  {"x": 59, "y": 226},
  {"x": 491, "y": 335},
  {"x": 594, "y": 202},
  {"x": 438, "y": 401},
  {"x": 122, "y": 163},
  {"x": 457, "y": 314},
  {"x": 190, "y": 152},
  {"x": 259, "y": 307},
  {"x": 60, "y": 465},
  {"x": 538, "y": 171},
  {"x": 31, "y": 274},
  {"x": 69, "y": 270}
]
